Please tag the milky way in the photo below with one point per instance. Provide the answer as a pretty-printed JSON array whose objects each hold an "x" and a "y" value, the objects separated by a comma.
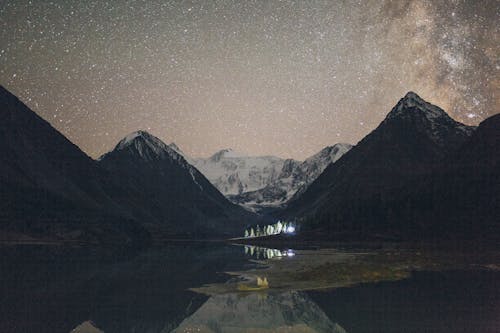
[{"x": 263, "y": 77}]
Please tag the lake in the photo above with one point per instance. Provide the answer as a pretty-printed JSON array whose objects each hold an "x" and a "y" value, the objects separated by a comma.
[{"x": 218, "y": 287}]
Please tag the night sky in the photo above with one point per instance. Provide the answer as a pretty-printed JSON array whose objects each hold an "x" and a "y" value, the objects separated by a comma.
[{"x": 263, "y": 77}]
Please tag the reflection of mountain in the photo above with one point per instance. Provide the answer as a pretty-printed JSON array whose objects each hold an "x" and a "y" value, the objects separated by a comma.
[
  {"x": 86, "y": 327},
  {"x": 238, "y": 313}
]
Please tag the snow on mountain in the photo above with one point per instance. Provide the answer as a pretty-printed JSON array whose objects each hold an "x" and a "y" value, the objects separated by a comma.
[
  {"x": 292, "y": 312},
  {"x": 312, "y": 167},
  {"x": 176, "y": 148},
  {"x": 86, "y": 327},
  {"x": 263, "y": 181},
  {"x": 412, "y": 100},
  {"x": 147, "y": 146},
  {"x": 254, "y": 182},
  {"x": 427, "y": 116},
  {"x": 293, "y": 179},
  {"x": 390, "y": 181},
  {"x": 234, "y": 173},
  {"x": 172, "y": 194}
]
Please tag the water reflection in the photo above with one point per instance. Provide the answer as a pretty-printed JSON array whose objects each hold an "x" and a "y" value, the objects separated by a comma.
[
  {"x": 261, "y": 284},
  {"x": 266, "y": 253},
  {"x": 292, "y": 312},
  {"x": 56, "y": 289},
  {"x": 86, "y": 327},
  {"x": 60, "y": 289}
]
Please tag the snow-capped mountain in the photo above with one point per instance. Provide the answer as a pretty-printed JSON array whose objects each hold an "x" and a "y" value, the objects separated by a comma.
[
  {"x": 233, "y": 173},
  {"x": 178, "y": 150},
  {"x": 438, "y": 125},
  {"x": 51, "y": 189},
  {"x": 293, "y": 179},
  {"x": 170, "y": 192},
  {"x": 147, "y": 147},
  {"x": 291, "y": 311},
  {"x": 261, "y": 182},
  {"x": 376, "y": 186}
]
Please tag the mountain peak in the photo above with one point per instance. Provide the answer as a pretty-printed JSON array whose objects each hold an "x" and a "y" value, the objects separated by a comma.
[
  {"x": 410, "y": 95},
  {"x": 412, "y": 103},
  {"x": 337, "y": 146},
  {"x": 146, "y": 146},
  {"x": 227, "y": 152},
  {"x": 329, "y": 153},
  {"x": 427, "y": 119},
  {"x": 140, "y": 135}
]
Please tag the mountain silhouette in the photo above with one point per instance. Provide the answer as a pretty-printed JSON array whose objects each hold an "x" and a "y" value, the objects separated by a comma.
[
  {"x": 49, "y": 187},
  {"x": 397, "y": 180}
]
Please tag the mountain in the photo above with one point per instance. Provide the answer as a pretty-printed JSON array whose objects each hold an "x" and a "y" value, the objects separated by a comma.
[
  {"x": 482, "y": 151},
  {"x": 293, "y": 179},
  {"x": 468, "y": 183},
  {"x": 49, "y": 188},
  {"x": 292, "y": 312},
  {"x": 233, "y": 173},
  {"x": 178, "y": 150},
  {"x": 389, "y": 182},
  {"x": 170, "y": 194}
]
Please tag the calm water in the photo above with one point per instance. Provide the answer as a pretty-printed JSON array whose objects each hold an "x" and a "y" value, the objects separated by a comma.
[{"x": 55, "y": 289}]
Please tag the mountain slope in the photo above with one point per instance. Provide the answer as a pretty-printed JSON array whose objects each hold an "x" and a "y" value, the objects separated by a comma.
[
  {"x": 468, "y": 183},
  {"x": 48, "y": 186},
  {"x": 293, "y": 179},
  {"x": 170, "y": 193},
  {"x": 367, "y": 190},
  {"x": 233, "y": 173}
]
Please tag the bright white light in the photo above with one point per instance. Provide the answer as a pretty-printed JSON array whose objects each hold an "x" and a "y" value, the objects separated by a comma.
[
  {"x": 290, "y": 253},
  {"x": 290, "y": 230}
]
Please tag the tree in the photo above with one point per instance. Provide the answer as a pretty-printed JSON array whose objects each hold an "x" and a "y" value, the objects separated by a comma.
[{"x": 279, "y": 227}]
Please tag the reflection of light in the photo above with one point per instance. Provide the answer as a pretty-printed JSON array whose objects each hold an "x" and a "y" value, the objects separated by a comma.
[
  {"x": 290, "y": 229},
  {"x": 266, "y": 253}
]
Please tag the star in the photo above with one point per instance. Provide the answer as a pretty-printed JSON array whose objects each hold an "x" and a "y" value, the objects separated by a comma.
[{"x": 283, "y": 78}]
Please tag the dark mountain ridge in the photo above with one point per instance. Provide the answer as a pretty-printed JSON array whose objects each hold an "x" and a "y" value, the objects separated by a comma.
[
  {"x": 50, "y": 189},
  {"x": 173, "y": 194},
  {"x": 400, "y": 179},
  {"x": 48, "y": 186},
  {"x": 293, "y": 179},
  {"x": 418, "y": 174}
]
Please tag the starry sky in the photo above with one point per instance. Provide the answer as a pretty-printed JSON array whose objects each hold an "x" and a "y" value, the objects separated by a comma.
[{"x": 284, "y": 78}]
